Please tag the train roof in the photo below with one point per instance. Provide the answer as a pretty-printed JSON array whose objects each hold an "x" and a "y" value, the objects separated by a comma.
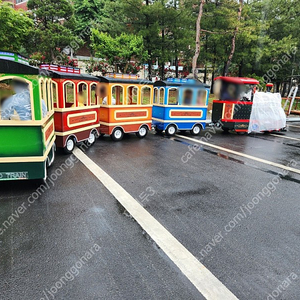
[
  {"x": 63, "y": 75},
  {"x": 14, "y": 56},
  {"x": 12, "y": 67},
  {"x": 181, "y": 82},
  {"x": 128, "y": 80},
  {"x": 238, "y": 80}
]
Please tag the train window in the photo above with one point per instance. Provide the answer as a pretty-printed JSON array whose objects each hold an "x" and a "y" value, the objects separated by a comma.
[
  {"x": 161, "y": 96},
  {"x": 201, "y": 98},
  {"x": 54, "y": 94},
  {"x": 69, "y": 92},
  {"x": 132, "y": 95},
  {"x": 173, "y": 96},
  {"x": 49, "y": 94},
  {"x": 229, "y": 91},
  {"x": 82, "y": 94},
  {"x": 117, "y": 95},
  {"x": 94, "y": 99},
  {"x": 101, "y": 91},
  {"x": 246, "y": 92},
  {"x": 156, "y": 98},
  {"x": 187, "y": 97},
  {"x": 15, "y": 100},
  {"x": 44, "y": 97},
  {"x": 146, "y": 95},
  {"x": 42, "y": 90},
  {"x": 47, "y": 98},
  {"x": 217, "y": 89}
]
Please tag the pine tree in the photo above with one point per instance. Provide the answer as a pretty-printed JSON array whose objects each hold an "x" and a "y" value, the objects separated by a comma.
[
  {"x": 87, "y": 13},
  {"x": 54, "y": 26}
]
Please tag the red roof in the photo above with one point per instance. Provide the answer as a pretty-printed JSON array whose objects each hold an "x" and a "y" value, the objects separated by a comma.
[{"x": 238, "y": 80}]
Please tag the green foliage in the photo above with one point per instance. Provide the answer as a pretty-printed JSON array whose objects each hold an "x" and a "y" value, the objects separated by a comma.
[
  {"x": 14, "y": 26},
  {"x": 166, "y": 27},
  {"x": 162, "y": 30},
  {"x": 87, "y": 13},
  {"x": 119, "y": 50},
  {"x": 112, "y": 17},
  {"x": 54, "y": 25}
]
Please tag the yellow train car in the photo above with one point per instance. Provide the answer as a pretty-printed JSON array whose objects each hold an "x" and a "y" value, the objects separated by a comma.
[{"x": 125, "y": 105}]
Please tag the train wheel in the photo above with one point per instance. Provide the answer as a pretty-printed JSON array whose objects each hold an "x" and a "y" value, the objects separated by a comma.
[
  {"x": 117, "y": 134},
  {"x": 196, "y": 130},
  {"x": 51, "y": 156},
  {"x": 70, "y": 145},
  {"x": 225, "y": 129},
  {"x": 143, "y": 131},
  {"x": 92, "y": 139},
  {"x": 171, "y": 130},
  {"x": 44, "y": 179}
]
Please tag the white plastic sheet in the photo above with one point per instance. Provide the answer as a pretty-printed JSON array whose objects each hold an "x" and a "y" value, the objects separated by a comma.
[{"x": 267, "y": 113}]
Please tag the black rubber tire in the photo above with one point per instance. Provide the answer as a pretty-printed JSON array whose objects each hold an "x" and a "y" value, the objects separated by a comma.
[
  {"x": 171, "y": 130},
  {"x": 70, "y": 146},
  {"x": 89, "y": 144},
  {"x": 141, "y": 136},
  {"x": 115, "y": 134},
  {"x": 196, "y": 130},
  {"x": 51, "y": 156}
]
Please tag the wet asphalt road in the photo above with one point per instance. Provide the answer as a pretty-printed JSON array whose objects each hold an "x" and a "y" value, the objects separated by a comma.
[{"x": 195, "y": 199}]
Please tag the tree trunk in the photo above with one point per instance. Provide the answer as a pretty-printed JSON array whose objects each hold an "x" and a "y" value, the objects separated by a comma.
[
  {"x": 233, "y": 40},
  {"x": 149, "y": 66},
  {"x": 162, "y": 73},
  {"x": 198, "y": 33},
  {"x": 148, "y": 42},
  {"x": 241, "y": 68},
  {"x": 176, "y": 51},
  {"x": 126, "y": 67},
  {"x": 212, "y": 80},
  {"x": 224, "y": 69}
]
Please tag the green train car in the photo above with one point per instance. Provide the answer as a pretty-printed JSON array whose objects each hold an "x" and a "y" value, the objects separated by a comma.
[{"x": 27, "y": 132}]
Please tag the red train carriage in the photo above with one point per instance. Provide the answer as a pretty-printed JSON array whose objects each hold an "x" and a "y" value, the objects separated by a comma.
[
  {"x": 233, "y": 109},
  {"x": 75, "y": 105}
]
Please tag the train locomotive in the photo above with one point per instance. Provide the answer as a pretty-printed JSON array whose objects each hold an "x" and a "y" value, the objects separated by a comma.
[{"x": 233, "y": 108}]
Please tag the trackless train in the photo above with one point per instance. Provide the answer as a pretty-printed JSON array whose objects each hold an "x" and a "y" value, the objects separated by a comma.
[{"x": 55, "y": 106}]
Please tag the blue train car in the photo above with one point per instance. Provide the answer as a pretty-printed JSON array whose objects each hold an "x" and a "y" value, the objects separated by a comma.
[{"x": 180, "y": 104}]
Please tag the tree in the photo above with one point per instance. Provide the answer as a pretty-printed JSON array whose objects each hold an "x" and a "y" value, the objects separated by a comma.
[
  {"x": 87, "y": 14},
  {"x": 54, "y": 26},
  {"x": 14, "y": 26},
  {"x": 111, "y": 17},
  {"x": 118, "y": 51},
  {"x": 166, "y": 27},
  {"x": 233, "y": 40}
]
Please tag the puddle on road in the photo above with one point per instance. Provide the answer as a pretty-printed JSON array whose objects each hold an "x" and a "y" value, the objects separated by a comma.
[
  {"x": 287, "y": 177},
  {"x": 275, "y": 141}
]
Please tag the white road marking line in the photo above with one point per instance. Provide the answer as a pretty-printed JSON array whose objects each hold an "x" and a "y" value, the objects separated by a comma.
[
  {"x": 205, "y": 282},
  {"x": 285, "y": 137},
  {"x": 294, "y": 126},
  {"x": 242, "y": 154}
]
